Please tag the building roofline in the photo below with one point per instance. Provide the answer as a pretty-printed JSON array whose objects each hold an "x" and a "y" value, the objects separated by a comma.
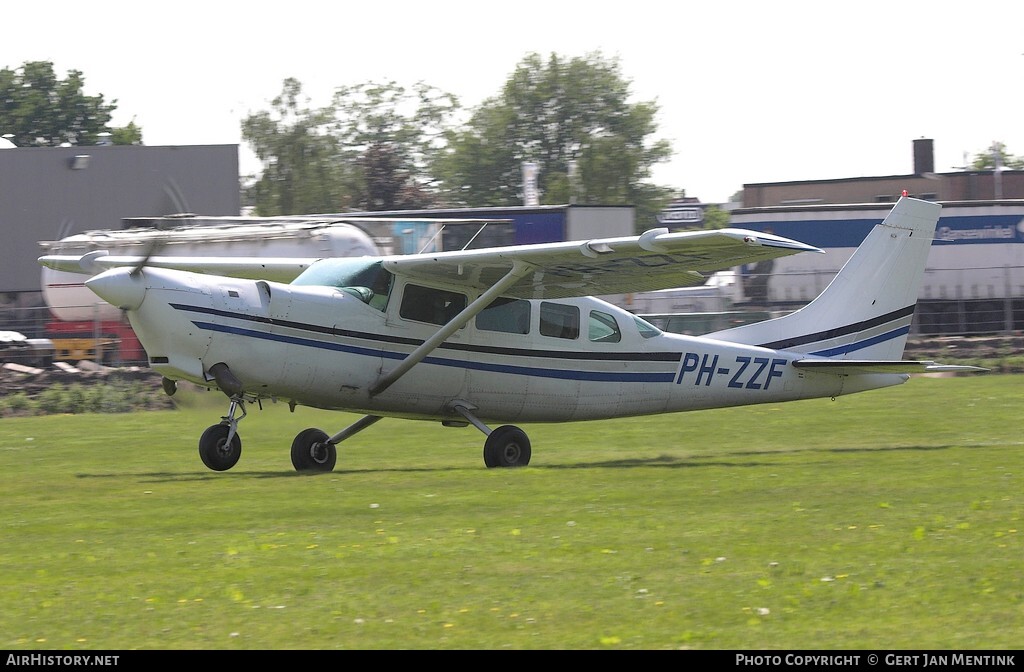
[
  {"x": 833, "y": 207},
  {"x": 880, "y": 178}
]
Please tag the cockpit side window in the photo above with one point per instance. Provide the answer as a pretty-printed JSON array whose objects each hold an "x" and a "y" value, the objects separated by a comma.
[{"x": 426, "y": 304}]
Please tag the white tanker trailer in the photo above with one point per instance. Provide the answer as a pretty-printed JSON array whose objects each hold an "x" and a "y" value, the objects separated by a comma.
[{"x": 70, "y": 301}]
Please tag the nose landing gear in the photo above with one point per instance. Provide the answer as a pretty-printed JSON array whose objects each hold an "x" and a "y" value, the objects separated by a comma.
[{"x": 220, "y": 446}]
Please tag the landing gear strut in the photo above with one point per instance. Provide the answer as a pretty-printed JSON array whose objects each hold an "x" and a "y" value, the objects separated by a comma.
[
  {"x": 506, "y": 446},
  {"x": 314, "y": 451},
  {"x": 220, "y": 446}
]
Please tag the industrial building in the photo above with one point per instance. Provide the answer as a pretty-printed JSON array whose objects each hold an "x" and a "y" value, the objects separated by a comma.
[
  {"x": 974, "y": 281},
  {"x": 924, "y": 182},
  {"x": 49, "y": 193}
]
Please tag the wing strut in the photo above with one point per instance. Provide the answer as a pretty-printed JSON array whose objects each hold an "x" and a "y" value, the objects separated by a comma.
[{"x": 517, "y": 271}]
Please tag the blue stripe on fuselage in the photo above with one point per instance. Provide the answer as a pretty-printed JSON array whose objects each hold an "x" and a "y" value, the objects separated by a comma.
[
  {"x": 838, "y": 332},
  {"x": 860, "y": 345},
  {"x": 617, "y": 356},
  {"x": 564, "y": 374}
]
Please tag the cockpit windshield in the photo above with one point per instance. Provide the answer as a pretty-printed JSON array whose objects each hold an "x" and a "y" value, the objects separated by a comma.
[{"x": 363, "y": 278}]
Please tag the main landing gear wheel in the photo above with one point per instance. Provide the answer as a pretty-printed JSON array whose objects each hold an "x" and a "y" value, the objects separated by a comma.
[
  {"x": 507, "y": 446},
  {"x": 311, "y": 451},
  {"x": 215, "y": 451}
]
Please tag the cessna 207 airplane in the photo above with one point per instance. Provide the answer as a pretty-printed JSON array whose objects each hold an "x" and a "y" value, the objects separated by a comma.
[{"x": 508, "y": 334}]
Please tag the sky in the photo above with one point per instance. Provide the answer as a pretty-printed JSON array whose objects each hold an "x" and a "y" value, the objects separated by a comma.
[{"x": 748, "y": 91}]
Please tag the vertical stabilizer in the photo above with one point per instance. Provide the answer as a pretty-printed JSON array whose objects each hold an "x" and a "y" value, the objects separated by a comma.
[{"x": 865, "y": 312}]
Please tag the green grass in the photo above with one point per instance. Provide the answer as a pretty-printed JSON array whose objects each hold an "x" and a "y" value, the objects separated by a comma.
[{"x": 885, "y": 520}]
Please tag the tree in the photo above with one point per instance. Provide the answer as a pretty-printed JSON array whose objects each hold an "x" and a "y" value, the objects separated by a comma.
[
  {"x": 997, "y": 156},
  {"x": 370, "y": 149},
  {"x": 127, "y": 135},
  {"x": 572, "y": 118},
  {"x": 301, "y": 173},
  {"x": 393, "y": 136},
  {"x": 40, "y": 110},
  {"x": 715, "y": 217}
]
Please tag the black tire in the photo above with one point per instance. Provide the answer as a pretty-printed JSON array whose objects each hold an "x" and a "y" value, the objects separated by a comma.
[
  {"x": 214, "y": 450},
  {"x": 507, "y": 446},
  {"x": 312, "y": 452}
]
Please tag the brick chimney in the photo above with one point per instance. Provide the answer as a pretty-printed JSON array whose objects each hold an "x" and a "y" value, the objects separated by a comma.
[{"x": 924, "y": 156}]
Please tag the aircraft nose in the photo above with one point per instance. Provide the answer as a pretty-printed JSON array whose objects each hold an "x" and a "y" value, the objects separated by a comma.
[{"x": 119, "y": 287}]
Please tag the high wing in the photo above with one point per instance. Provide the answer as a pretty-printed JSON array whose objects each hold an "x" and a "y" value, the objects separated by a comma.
[
  {"x": 654, "y": 260},
  {"x": 281, "y": 269}
]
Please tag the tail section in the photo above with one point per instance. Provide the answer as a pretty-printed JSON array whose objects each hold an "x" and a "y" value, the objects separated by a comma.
[{"x": 865, "y": 312}]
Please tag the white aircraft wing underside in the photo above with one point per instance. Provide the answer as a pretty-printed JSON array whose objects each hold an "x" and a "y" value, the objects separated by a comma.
[
  {"x": 282, "y": 269},
  {"x": 655, "y": 260}
]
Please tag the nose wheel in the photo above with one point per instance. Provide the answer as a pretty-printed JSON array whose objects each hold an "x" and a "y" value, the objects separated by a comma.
[
  {"x": 217, "y": 450},
  {"x": 220, "y": 446}
]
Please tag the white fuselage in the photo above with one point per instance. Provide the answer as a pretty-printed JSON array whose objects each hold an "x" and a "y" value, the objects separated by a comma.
[{"x": 323, "y": 347}]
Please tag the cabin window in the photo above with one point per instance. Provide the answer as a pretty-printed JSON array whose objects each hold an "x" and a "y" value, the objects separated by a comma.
[
  {"x": 436, "y": 306},
  {"x": 559, "y": 320},
  {"x": 511, "y": 316},
  {"x": 647, "y": 330},
  {"x": 602, "y": 328}
]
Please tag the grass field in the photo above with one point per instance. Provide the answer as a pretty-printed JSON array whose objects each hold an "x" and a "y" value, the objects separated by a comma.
[{"x": 885, "y": 520}]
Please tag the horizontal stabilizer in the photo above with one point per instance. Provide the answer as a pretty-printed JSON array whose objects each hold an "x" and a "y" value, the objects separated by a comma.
[{"x": 846, "y": 367}]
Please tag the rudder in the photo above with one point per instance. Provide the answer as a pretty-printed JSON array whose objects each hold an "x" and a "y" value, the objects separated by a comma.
[{"x": 866, "y": 311}]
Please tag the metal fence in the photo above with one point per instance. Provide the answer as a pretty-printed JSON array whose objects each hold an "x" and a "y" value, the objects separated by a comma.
[{"x": 94, "y": 340}]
